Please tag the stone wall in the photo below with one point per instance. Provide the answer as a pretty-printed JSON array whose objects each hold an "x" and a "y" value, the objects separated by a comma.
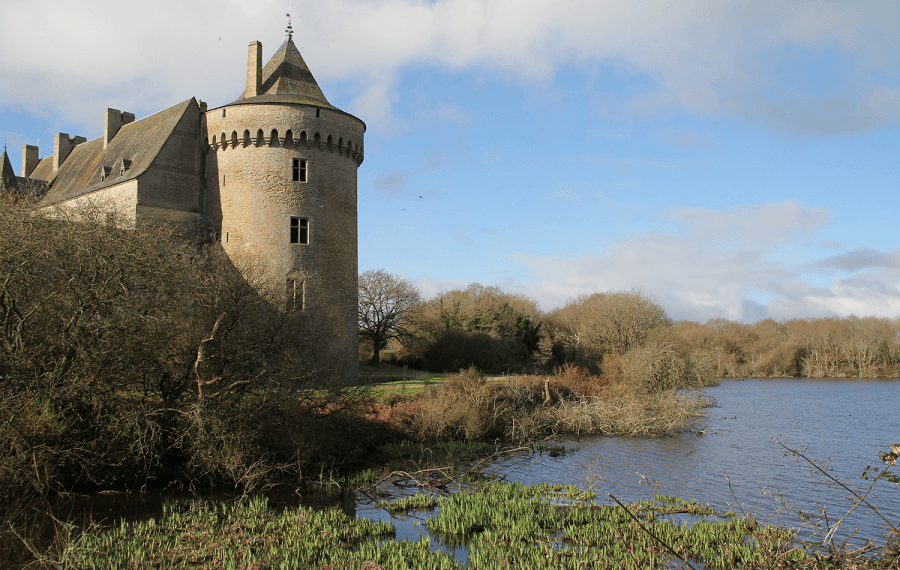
[
  {"x": 119, "y": 201},
  {"x": 251, "y": 198}
]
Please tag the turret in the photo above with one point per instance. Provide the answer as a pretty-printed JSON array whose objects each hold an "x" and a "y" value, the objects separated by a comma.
[{"x": 281, "y": 169}]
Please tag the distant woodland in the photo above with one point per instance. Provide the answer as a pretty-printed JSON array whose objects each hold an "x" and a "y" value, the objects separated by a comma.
[{"x": 610, "y": 333}]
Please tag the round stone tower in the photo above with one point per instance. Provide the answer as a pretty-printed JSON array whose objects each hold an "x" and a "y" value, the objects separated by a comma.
[{"x": 281, "y": 166}]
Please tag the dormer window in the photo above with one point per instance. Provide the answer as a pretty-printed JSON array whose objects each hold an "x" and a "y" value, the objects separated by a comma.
[
  {"x": 104, "y": 172},
  {"x": 121, "y": 167}
]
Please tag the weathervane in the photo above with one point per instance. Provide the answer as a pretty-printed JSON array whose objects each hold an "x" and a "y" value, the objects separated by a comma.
[{"x": 289, "y": 30}]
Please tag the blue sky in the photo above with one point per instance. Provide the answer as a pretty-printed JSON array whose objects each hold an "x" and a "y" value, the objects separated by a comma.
[{"x": 733, "y": 159}]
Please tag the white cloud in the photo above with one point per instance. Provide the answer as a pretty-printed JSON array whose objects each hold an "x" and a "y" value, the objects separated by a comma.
[
  {"x": 705, "y": 57},
  {"x": 717, "y": 264},
  {"x": 430, "y": 288}
]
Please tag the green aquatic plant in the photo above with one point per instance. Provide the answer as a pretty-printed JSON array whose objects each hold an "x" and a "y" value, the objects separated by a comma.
[
  {"x": 412, "y": 503},
  {"x": 503, "y": 525}
]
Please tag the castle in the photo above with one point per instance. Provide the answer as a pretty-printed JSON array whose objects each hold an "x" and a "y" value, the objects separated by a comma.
[{"x": 270, "y": 177}]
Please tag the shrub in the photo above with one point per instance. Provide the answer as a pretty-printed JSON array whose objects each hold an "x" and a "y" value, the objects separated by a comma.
[
  {"x": 463, "y": 407},
  {"x": 660, "y": 366},
  {"x": 456, "y": 350},
  {"x": 128, "y": 356}
]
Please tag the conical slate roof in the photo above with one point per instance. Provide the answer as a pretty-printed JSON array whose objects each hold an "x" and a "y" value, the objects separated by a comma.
[
  {"x": 8, "y": 180},
  {"x": 287, "y": 79}
]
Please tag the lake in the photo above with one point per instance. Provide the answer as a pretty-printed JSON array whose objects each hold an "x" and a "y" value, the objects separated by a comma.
[{"x": 844, "y": 423}]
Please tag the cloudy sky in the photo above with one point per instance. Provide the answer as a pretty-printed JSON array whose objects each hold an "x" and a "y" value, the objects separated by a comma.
[{"x": 735, "y": 159}]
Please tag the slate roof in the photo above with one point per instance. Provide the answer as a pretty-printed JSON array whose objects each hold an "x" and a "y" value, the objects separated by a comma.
[
  {"x": 8, "y": 180},
  {"x": 20, "y": 185},
  {"x": 287, "y": 79},
  {"x": 138, "y": 142}
]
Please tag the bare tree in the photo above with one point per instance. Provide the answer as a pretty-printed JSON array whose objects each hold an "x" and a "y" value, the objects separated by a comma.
[
  {"x": 385, "y": 301},
  {"x": 612, "y": 322}
]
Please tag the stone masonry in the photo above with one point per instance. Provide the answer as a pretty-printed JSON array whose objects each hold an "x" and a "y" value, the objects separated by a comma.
[{"x": 270, "y": 177}]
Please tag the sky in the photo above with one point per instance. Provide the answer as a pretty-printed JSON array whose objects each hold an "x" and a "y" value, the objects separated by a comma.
[{"x": 733, "y": 159}]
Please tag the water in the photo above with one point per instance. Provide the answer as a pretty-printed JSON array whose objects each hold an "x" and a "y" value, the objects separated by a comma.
[{"x": 844, "y": 423}]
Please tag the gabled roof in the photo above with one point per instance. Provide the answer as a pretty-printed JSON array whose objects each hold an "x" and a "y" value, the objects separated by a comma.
[
  {"x": 287, "y": 79},
  {"x": 138, "y": 142}
]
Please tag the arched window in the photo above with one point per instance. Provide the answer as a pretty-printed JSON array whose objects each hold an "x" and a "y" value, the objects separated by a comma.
[
  {"x": 260, "y": 138},
  {"x": 223, "y": 140},
  {"x": 247, "y": 138},
  {"x": 234, "y": 139},
  {"x": 341, "y": 144},
  {"x": 288, "y": 137},
  {"x": 317, "y": 138},
  {"x": 273, "y": 138},
  {"x": 214, "y": 141},
  {"x": 303, "y": 137}
]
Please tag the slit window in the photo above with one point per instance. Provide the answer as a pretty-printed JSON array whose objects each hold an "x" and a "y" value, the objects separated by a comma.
[
  {"x": 299, "y": 170},
  {"x": 300, "y": 230},
  {"x": 296, "y": 297}
]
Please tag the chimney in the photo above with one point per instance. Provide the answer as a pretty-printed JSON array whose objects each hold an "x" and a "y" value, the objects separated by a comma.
[
  {"x": 115, "y": 120},
  {"x": 254, "y": 70},
  {"x": 30, "y": 159},
  {"x": 62, "y": 146}
]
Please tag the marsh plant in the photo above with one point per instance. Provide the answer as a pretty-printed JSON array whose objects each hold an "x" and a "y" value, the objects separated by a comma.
[
  {"x": 499, "y": 524},
  {"x": 504, "y": 525}
]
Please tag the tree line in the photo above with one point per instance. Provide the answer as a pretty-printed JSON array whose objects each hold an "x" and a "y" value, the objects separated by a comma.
[{"x": 617, "y": 334}]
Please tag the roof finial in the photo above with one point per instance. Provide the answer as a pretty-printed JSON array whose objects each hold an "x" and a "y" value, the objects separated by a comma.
[{"x": 289, "y": 30}]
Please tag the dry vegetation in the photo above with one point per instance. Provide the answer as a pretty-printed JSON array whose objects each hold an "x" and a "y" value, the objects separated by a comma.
[
  {"x": 468, "y": 407},
  {"x": 128, "y": 357}
]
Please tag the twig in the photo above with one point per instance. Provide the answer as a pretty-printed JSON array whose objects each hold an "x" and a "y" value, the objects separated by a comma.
[
  {"x": 647, "y": 530},
  {"x": 861, "y": 499}
]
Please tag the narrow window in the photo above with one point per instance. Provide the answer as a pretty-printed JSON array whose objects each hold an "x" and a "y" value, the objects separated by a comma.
[
  {"x": 296, "y": 294},
  {"x": 300, "y": 230},
  {"x": 223, "y": 112},
  {"x": 318, "y": 111},
  {"x": 298, "y": 170}
]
